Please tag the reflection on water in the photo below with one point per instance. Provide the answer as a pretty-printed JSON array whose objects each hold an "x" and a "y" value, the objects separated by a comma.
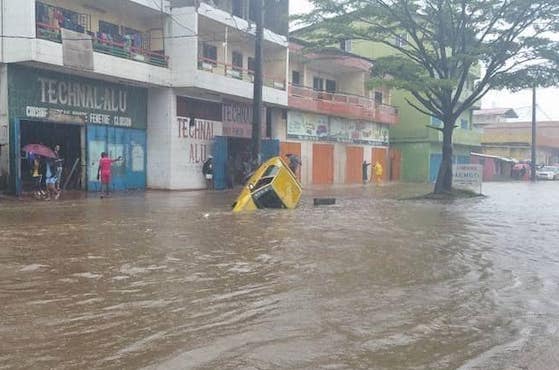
[{"x": 174, "y": 280}]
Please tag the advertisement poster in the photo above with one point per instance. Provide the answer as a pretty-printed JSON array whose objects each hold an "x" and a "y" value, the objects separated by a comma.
[{"x": 308, "y": 126}]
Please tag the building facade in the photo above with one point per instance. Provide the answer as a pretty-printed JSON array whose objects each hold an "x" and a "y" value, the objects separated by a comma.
[
  {"x": 162, "y": 84},
  {"x": 334, "y": 122},
  {"x": 514, "y": 140},
  {"x": 415, "y": 145},
  {"x": 209, "y": 103},
  {"x": 75, "y": 75}
]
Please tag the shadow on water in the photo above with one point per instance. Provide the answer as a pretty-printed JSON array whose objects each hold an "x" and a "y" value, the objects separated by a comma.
[{"x": 175, "y": 280}]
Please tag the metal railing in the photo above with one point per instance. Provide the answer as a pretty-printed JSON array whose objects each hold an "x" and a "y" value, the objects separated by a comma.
[
  {"x": 238, "y": 73},
  {"x": 346, "y": 105},
  {"x": 121, "y": 50}
]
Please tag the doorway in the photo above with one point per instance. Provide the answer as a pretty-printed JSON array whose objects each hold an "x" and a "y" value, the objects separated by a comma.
[{"x": 50, "y": 134}]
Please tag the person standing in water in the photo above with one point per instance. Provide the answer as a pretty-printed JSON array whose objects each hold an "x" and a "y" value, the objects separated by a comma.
[
  {"x": 365, "y": 172},
  {"x": 104, "y": 172}
]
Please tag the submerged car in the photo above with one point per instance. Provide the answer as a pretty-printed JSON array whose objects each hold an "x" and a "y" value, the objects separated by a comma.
[
  {"x": 272, "y": 185},
  {"x": 547, "y": 173}
]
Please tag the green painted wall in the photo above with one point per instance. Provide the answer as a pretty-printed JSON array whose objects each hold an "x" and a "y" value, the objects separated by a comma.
[{"x": 415, "y": 161}]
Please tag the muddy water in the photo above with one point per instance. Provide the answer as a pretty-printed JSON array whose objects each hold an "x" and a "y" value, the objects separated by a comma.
[{"x": 175, "y": 281}]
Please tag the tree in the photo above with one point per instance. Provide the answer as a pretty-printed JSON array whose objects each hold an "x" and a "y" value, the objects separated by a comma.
[{"x": 506, "y": 42}]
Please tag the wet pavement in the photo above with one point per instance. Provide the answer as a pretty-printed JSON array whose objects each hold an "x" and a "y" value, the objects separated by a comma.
[{"x": 172, "y": 280}]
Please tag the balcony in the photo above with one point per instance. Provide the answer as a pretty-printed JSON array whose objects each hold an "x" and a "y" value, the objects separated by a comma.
[
  {"x": 48, "y": 27},
  {"x": 237, "y": 73},
  {"x": 341, "y": 105}
]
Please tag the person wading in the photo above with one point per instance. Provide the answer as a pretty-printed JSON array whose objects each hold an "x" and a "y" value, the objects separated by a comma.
[
  {"x": 365, "y": 172},
  {"x": 378, "y": 172},
  {"x": 104, "y": 172},
  {"x": 208, "y": 172}
]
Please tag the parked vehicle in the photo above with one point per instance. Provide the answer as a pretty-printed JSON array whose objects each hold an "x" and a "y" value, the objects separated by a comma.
[{"x": 547, "y": 173}]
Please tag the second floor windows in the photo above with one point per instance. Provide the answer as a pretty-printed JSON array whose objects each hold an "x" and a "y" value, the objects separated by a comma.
[
  {"x": 209, "y": 53},
  {"x": 330, "y": 86},
  {"x": 237, "y": 61},
  {"x": 379, "y": 97},
  {"x": 296, "y": 78},
  {"x": 320, "y": 85}
]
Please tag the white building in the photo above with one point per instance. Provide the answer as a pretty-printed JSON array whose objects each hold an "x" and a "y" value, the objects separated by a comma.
[{"x": 149, "y": 80}]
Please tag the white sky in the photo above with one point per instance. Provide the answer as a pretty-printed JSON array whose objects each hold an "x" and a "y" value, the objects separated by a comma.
[
  {"x": 547, "y": 99},
  {"x": 298, "y": 6}
]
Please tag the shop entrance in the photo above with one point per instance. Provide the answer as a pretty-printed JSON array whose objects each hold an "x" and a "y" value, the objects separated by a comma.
[
  {"x": 50, "y": 134},
  {"x": 232, "y": 159}
]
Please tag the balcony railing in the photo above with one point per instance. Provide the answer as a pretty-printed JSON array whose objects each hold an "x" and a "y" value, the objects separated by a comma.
[
  {"x": 231, "y": 71},
  {"x": 342, "y": 105},
  {"x": 121, "y": 50}
]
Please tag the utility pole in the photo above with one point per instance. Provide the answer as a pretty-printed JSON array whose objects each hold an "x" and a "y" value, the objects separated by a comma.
[
  {"x": 258, "y": 83},
  {"x": 533, "y": 164}
]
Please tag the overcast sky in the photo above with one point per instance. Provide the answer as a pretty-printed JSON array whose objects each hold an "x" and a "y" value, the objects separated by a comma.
[
  {"x": 298, "y": 6},
  {"x": 548, "y": 99}
]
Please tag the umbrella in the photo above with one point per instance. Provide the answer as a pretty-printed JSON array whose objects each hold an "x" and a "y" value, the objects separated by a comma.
[{"x": 39, "y": 149}]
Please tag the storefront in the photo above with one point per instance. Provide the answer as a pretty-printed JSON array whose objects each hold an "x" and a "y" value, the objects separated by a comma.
[
  {"x": 333, "y": 149},
  {"x": 85, "y": 117},
  {"x": 223, "y": 130}
]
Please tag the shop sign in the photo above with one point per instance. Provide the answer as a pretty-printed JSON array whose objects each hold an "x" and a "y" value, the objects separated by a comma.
[
  {"x": 314, "y": 127},
  {"x": 50, "y": 96},
  {"x": 197, "y": 138},
  {"x": 467, "y": 176},
  {"x": 237, "y": 119}
]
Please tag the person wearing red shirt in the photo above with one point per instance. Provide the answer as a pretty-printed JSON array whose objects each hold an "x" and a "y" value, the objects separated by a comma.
[{"x": 104, "y": 172}]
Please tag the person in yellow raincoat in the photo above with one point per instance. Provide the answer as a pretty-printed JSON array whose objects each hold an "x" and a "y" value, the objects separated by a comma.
[{"x": 377, "y": 173}]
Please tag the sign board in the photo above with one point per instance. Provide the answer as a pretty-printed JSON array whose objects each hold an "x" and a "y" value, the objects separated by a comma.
[
  {"x": 237, "y": 119},
  {"x": 50, "y": 96},
  {"x": 315, "y": 127},
  {"x": 467, "y": 176}
]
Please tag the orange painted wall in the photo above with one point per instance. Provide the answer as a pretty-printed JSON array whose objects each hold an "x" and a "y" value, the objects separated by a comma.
[
  {"x": 323, "y": 164},
  {"x": 354, "y": 162}
]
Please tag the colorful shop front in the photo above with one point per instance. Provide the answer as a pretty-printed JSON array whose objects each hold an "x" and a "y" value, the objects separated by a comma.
[
  {"x": 332, "y": 149},
  {"x": 85, "y": 117}
]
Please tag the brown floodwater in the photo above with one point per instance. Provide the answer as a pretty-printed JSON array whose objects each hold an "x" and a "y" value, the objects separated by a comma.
[{"x": 172, "y": 280}]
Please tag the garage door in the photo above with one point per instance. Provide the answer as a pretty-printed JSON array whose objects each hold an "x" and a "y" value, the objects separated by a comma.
[
  {"x": 323, "y": 164},
  {"x": 354, "y": 163}
]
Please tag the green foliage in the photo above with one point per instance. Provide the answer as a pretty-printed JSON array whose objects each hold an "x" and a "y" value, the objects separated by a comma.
[{"x": 446, "y": 42}]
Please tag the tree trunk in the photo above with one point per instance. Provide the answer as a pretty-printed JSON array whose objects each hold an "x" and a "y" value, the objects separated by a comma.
[{"x": 444, "y": 178}]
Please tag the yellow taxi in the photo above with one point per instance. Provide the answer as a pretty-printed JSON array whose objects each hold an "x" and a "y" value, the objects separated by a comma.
[{"x": 272, "y": 185}]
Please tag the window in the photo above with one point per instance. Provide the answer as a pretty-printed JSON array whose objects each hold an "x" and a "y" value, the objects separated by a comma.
[
  {"x": 401, "y": 40},
  {"x": 252, "y": 10},
  {"x": 209, "y": 53},
  {"x": 436, "y": 122},
  {"x": 237, "y": 61},
  {"x": 109, "y": 28},
  {"x": 464, "y": 124},
  {"x": 346, "y": 45},
  {"x": 238, "y": 8},
  {"x": 318, "y": 84},
  {"x": 331, "y": 86},
  {"x": 296, "y": 78},
  {"x": 251, "y": 65},
  {"x": 379, "y": 97}
]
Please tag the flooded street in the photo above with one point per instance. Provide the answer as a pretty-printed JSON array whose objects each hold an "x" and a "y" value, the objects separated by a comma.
[{"x": 168, "y": 280}]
